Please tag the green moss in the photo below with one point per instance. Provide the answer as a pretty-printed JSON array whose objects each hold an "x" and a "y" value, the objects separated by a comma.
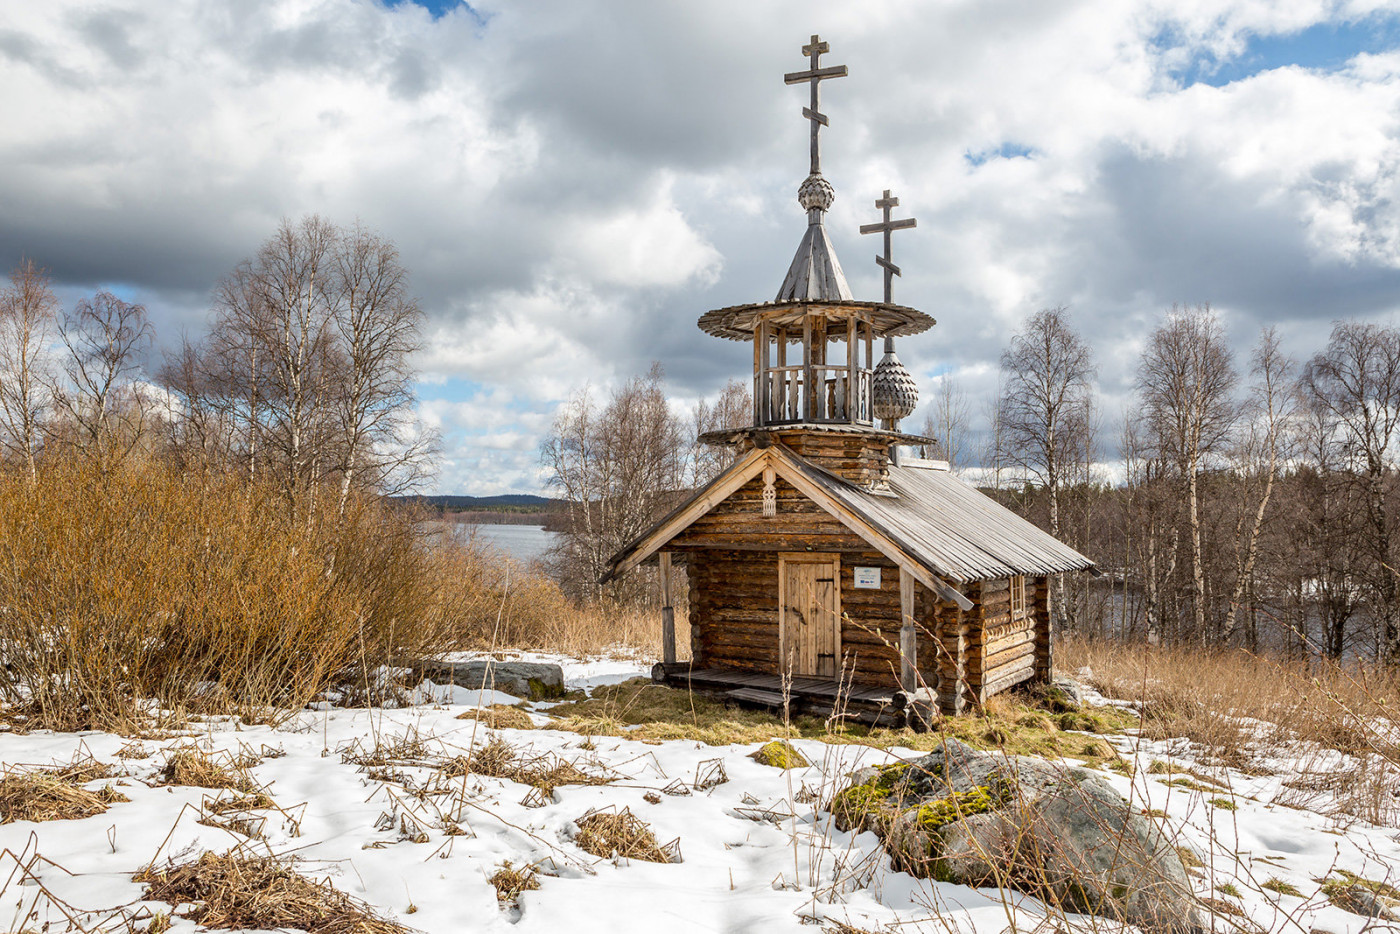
[
  {"x": 937, "y": 814},
  {"x": 1349, "y": 880},
  {"x": 539, "y": 690},
  {"x": 1275, "y": 884},
  {"x": 647, "y": 712},
  {"x": 1225, "y": 804},
  {"x": 1057, "y": 701},
  {"x": 780, "y": 754},
  {"x": 1228, "y": 888}
]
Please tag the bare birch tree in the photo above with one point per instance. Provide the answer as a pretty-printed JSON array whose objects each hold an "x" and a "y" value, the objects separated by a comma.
[
  {"x": 619, "y": 469},
  {"x": 733, "y": 409},
  {"x": 1046, "y": 413},
  {"x": 379, "y": 327},
  {"x": 1263, "y": 444},
  {"x": 104, "y": 337},
  {"x": 28, "y": 310},
  {"x": 947, "y": 423},
  {"x": 1357, "y": 380},
  {"x": 1187, "y": 383}
]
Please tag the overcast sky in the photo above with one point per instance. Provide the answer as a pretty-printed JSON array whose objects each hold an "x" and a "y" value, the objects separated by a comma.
[{"x": 573, "y": 182}]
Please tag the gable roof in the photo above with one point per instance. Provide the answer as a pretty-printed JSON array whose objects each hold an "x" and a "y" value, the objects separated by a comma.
[
  {"x": 958, "y": 530},
  {"x": 929, "y": 523}
]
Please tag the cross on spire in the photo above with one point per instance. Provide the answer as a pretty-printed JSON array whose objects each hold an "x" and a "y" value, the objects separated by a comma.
[
  {"x": 815, "y": 75},
  {"x": 887, "y": 227}
]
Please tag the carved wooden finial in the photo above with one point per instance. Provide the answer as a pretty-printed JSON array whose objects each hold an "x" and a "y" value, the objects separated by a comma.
[
  {"x": 815, "y": 75},
  {"x": 887, "y": 227}
]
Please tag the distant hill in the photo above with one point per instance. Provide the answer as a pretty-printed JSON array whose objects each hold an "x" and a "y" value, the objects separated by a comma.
[{"x": 504, "y": 501}]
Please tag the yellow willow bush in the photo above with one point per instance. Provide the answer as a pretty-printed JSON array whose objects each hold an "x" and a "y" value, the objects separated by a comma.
[{"x": 139, "y": 586}]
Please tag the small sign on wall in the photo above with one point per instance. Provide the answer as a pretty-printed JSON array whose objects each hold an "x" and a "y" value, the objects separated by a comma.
[{"x": 868, "y": 578}]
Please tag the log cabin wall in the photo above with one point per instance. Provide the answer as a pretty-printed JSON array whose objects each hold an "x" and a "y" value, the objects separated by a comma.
[{"x": 732, "y": 555}]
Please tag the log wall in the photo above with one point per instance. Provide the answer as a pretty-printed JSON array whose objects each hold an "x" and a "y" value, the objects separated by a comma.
[{"x": 732, "y": 554}]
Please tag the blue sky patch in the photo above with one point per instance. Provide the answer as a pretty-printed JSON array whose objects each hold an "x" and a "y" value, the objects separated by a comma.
[
  {"x": 1004, "y": 151},
  {"x": 1323, "y": 47},
  {"x": 440, "y": 8}
]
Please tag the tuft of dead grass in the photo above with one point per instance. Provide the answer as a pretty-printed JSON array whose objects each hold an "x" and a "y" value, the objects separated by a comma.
[
  {"x": 236, "y": 892},
  {"x": 189, "y": 765},
  {"x": 511, "y": 882},
  {"x": 497, "y": 758},
  {"x": 44, "y": 794},
  {"x": 613, "y": 834},
  {"x": 500, "y": 717}
]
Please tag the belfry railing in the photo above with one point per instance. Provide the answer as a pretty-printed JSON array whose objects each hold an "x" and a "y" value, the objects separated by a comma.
[{"x": 817, "y": 393}]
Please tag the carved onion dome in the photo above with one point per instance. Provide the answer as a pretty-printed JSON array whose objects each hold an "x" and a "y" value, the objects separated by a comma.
[
  {"x": 815, "y": 274},
  {"x": 893, "y": 392}
]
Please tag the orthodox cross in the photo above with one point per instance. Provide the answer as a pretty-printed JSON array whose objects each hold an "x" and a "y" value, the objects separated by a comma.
[
  {"x": 887, "y": 227},
  {"x": 815, "y": 75}
]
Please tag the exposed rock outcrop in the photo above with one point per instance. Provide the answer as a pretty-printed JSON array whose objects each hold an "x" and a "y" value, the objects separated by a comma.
[
  {"x": 533, "y": 680},
  {"x": 1056, "y": 832}
]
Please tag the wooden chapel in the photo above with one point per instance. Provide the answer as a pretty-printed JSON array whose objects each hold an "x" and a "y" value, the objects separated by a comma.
[{"x": 827, "y": 570}]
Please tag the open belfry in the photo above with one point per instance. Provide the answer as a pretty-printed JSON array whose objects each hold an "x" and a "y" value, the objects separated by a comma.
[{"x": 827, "y": 570}]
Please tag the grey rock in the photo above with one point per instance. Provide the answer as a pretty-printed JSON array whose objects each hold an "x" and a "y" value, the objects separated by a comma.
[
  {"x": 1059, "y": 833},
  {"x": 1360, "y": 900},
  {"x": 1072, "y": 690},
  {"x": 533, "y": 680}
]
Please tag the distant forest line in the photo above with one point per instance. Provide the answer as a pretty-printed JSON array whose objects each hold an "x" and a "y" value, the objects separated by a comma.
[{"x": 505, "y": 509}]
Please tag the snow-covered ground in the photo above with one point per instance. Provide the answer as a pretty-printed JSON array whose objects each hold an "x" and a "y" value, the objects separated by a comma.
[{"x": 759, "y": 853}]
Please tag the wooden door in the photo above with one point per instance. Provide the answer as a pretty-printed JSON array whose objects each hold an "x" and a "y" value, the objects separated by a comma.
[{"x": 809, "y": 611}]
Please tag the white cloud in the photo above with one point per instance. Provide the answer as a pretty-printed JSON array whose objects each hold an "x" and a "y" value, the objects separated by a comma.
[{"x": 573, "y": 183}]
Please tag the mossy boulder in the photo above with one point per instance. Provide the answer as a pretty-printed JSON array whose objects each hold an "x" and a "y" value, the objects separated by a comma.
[
  {"x": 1363, "y": 897},
  {"x": 780, "y": 754},
  {"x": 531, "y": 680},
  {"x": 1058, "y": 833}
]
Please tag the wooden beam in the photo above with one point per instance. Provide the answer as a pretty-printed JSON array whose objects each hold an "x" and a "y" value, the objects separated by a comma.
[
  {"x": 809, "y": 393},
  {"x": 865, "y": 530},
  {"x": 908, "y": 635},
  {"x": 668, "y": 613},
  {"x": 851, "y": 369},
  {"x": 720, "y": 489}
]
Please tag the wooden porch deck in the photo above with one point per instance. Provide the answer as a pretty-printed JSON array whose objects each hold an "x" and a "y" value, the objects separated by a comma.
[{"x": 821, "y": 696}]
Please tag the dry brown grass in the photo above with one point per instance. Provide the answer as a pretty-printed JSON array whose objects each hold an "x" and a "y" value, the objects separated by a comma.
[
  {"x": 612, "y": 834},
  {"x": 236, "y": 892},
  {"x": 502, "y": 604},
  {"x": 1244, "y": 710},
  {"x": 500, "y": 716},
  {"x": 44, "y": 794},
  {"x": 499, "y": 759},
  {"x": 189, "y": 765},
  {"x": 641, "y": 710},
  {"x": 1201, "y": 694},
  {"x": 199, "y": 593},
  {"x": 511, "y": 882}
]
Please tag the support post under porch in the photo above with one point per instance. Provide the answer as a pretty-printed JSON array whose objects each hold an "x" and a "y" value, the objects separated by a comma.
[
  {"x": 908, "y": 635},
  {"x": 668, "y": 612}
]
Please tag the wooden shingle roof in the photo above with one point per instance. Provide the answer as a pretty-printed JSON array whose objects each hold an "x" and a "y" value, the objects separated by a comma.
[
  {"x": 958, "y": 531},
  {"x": 928, "y": 522}
]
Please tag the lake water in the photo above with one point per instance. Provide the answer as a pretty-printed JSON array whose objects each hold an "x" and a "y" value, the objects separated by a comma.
[{"x": 522, "y": 542}]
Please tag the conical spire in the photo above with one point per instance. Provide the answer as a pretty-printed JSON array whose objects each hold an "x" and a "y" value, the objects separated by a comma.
[{"x": 815, "y": 273}]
